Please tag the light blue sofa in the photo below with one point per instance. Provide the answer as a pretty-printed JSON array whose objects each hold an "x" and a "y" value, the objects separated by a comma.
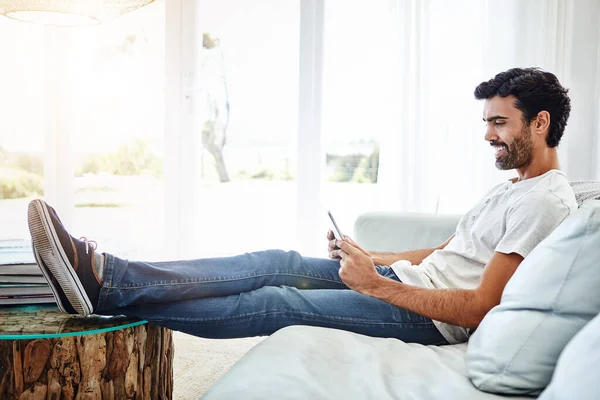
[{"x": 302, "y": 362}]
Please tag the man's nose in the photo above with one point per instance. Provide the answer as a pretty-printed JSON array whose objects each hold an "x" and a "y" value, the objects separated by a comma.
[{"x": 490, "y": 135}]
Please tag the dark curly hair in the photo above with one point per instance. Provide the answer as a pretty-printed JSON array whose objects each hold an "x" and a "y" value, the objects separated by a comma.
[{"x": 535, "y": 91}]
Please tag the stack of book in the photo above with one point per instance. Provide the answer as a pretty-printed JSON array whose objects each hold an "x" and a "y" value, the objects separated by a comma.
[{"x": 21, "y": 280}]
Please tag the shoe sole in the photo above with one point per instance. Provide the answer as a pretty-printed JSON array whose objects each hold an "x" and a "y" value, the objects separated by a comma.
[
  {"x": 48, "y": 246},
  {"x": 55, "y": 288}
]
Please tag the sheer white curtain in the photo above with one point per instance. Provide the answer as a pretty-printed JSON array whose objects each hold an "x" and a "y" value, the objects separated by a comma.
[{"x": 435, "y": 158}]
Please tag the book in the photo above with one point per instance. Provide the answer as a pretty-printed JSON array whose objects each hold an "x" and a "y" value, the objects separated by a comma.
[
  {"x": 20, "y": 269},
  {"x": 16, "y": 252},
  {"x": 22, "y": 279},
  {"x": 7, "y": 290},
  {"x": 27, "y": 300}
]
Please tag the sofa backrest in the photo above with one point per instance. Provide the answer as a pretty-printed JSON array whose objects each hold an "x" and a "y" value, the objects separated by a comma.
[{"x": 586, "y": 190}]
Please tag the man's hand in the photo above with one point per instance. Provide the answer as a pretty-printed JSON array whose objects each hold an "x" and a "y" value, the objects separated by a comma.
[
  {"x": 334, "y": 251},
  {"x": 357, "y": 268}
]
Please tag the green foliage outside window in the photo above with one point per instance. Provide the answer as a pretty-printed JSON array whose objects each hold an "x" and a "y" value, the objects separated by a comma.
[
  {"x": 21, "y": 175},
  {"x": 356, "y": 168},
  {"x": 135, "y": 158},
  {"x": 16, "y": 183}
]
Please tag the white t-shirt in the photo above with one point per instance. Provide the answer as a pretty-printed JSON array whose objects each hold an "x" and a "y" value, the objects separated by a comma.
[{"x": 511, "y": 218}]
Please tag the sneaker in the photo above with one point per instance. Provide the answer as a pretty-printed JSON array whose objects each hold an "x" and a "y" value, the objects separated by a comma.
[{"x": 67, "y": 263}]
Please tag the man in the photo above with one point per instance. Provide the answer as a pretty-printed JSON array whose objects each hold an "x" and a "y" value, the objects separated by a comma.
[{"x": 430, "y": 296}]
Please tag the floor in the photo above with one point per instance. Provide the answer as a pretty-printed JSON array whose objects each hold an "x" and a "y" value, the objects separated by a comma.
[{"x": 199, "y": 362}]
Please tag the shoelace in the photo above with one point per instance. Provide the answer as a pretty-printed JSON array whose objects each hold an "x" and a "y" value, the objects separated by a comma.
[{"x": 91, "y": 243}]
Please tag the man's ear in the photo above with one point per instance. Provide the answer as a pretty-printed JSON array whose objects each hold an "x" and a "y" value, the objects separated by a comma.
[{"x": 541, "y": 124}]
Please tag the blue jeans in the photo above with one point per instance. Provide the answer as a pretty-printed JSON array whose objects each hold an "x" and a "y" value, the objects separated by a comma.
[{"x": 253, "y": 294}]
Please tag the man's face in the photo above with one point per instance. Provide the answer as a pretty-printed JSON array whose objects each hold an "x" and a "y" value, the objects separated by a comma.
[{"x": 507, "y": 133}]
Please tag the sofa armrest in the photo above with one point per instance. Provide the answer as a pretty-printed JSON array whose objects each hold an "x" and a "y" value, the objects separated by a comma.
[{"x": 394, "y": 231}]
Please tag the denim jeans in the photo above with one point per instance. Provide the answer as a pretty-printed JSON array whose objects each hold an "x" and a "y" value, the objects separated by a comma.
[{"x": 253, "y": 294}]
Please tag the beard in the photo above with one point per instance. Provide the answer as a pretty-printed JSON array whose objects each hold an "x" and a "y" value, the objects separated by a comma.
[{"x": 518, "y": 154}]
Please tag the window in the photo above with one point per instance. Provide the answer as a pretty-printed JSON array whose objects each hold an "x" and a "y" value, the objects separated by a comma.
[
  {"x": 83, "y": 127},
  {"x": 246, "y": 111},
  {"x": 118, "y": 132},
  {"x": 21, "y": 126},
  {"x": 359, "y": 103}
]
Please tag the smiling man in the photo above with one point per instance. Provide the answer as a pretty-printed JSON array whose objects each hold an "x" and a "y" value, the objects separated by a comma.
[
  {"x": 430, "y": 296},
  {"x": 525, "y": 111}
]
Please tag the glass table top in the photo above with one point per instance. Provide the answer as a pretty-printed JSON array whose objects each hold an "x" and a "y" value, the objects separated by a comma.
[{"x": 47, "y": 321}]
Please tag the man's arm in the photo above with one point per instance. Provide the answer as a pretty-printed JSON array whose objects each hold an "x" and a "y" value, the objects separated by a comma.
[
  {"x": 460, "y": 307},
  {"x": 415, "y": 257}
]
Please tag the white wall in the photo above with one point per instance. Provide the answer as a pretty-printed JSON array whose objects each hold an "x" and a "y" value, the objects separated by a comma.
[
  {"x": 583, "y": 129},
  {"x": 563, "y": 37}
]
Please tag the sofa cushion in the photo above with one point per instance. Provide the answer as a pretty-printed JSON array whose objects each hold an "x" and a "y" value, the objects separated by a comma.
[
  {"x": 551, "y": 296},
  {"x": 576, "y": 374},
  {"x": 304, "y": 362}
]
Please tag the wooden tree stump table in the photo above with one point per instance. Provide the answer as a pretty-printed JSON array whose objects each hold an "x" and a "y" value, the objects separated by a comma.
[{"x": 46, "y": 354}]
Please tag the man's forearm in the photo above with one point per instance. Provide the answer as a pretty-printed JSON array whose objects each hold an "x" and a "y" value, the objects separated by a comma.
[
  {"x": 454, "y": 306},
  {"x": 416, "y": 257}
]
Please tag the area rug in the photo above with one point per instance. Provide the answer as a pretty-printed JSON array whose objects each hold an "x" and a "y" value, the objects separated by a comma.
[{"x": 198, "y": 363}]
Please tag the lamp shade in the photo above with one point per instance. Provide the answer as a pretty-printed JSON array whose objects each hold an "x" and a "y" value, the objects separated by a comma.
[{"x": 68, "y": 12}]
